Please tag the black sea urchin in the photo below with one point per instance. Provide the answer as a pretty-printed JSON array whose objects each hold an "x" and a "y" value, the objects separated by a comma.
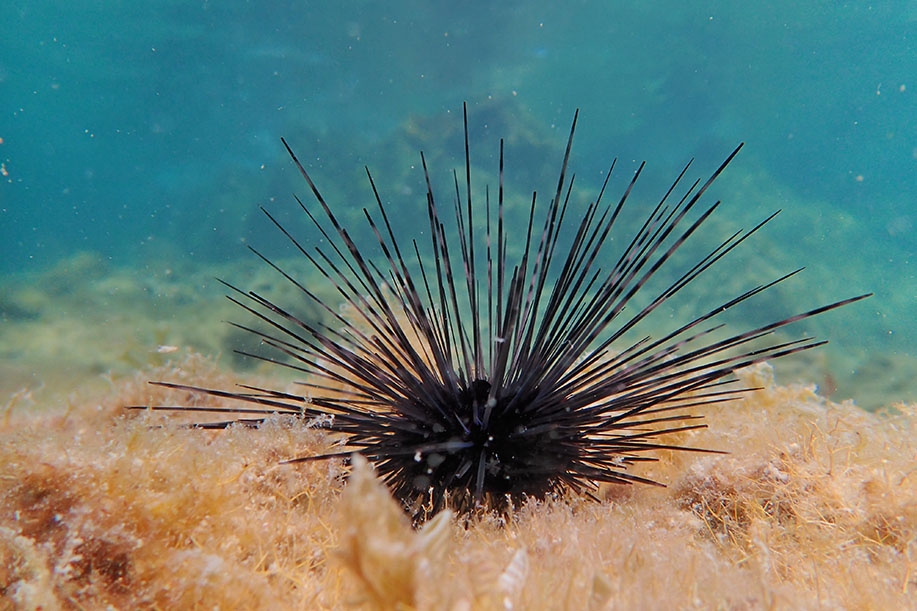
[{"x": 471, "y": 379}]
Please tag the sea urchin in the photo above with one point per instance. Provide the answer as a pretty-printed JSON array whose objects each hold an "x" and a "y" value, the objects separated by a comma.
[{"x": 471, "y": 378}]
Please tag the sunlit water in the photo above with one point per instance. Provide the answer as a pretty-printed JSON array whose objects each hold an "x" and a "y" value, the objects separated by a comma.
[{"x": 137, "y": 141}]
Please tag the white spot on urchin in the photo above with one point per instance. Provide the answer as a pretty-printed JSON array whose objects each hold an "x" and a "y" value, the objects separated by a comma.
[{"x": 322, "y": 421}]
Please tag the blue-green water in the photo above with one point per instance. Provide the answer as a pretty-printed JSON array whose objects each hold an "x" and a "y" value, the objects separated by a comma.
[{"x": 147, "y": 134}]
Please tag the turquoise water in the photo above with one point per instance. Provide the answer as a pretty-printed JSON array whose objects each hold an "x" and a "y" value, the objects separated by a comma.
[{"x": 139, "y": 139}]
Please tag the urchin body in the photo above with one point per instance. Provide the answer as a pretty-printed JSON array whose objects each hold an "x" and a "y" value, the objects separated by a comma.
[
  {"x": 470, "y": 379},
  {"x": 477, "y": 446}
]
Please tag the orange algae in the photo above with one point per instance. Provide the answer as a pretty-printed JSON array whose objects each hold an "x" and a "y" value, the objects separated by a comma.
[{"x": 815, "y": 506}]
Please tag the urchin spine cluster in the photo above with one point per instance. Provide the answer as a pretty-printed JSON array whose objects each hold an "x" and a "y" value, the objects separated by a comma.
[{"x": 469, "y": 379}]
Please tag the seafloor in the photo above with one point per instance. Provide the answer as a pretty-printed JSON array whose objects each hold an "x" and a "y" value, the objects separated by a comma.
[{"x": 815, "y": 506}]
